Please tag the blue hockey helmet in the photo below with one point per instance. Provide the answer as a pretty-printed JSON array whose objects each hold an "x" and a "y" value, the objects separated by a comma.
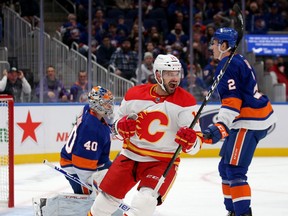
[
  {"x": 226, "y": 34},
  {"x": 101, "y": 100}
]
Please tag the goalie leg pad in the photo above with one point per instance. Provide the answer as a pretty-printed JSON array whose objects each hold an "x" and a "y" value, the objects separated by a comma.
[
  {"x": 143, "y": 203},
  {"x": 96, "y": 179},
  {"x": 104, "y": 205},
  {"x": 65, "y": 204}
]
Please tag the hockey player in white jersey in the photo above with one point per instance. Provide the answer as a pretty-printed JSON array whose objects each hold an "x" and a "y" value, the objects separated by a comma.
[{"x": 153, "y": 123}]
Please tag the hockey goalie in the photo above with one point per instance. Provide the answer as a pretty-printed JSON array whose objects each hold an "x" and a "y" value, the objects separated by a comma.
[{"x": 84, "y": 158}]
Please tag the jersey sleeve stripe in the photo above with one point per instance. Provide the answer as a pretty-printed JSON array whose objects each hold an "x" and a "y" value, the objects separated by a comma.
[
  {"x": 232, "y": 103},
  {"x": 65, "y": 162},
  {"x": 261, "y": 113},
  {"x": 84, "y": 163}
]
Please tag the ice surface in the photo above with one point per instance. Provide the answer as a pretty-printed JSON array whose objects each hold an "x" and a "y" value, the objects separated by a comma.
[{"x": 196, "y": 191}]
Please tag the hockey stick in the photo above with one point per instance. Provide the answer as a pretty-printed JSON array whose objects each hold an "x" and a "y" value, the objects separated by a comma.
[
  {"x": 123, "y": 207},
  {"x": 68, "y": 175},
  {"x": 239, "y": 27}
]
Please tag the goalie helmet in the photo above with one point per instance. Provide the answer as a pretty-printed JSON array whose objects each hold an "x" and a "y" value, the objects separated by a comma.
[
  {"x": 226, "y": 34},
  {"x": 101, "y": 100},
  {"x": 165, "y": 63}
]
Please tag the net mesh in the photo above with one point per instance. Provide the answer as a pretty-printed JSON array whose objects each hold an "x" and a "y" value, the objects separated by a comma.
[{"x": 4, "y": 154}]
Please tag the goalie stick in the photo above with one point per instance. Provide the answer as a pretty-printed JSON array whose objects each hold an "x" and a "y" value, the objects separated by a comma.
[
  {"x": 239, "y": 27},
  {"x": 123, "y": 207}
]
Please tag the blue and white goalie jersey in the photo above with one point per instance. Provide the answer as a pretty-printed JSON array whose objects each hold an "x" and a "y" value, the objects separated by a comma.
[{"x": 88, "y": 146}]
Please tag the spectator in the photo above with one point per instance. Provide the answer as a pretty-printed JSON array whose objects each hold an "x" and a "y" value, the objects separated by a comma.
[
  {"x": 263, "y": 7},
  {"x": 124, "y": 4},
  {"x": 122, "y": 25},
  {"x": 209, "y": 12},
  {"x": 29, "y": 10},
  {"x": 105, "y": 51},
  {"x": 209, "y": 71},
  {"x": 177, "y": 53},
  {"x": 194, "y": 84},
  {"x": 84, "y": 48},
  {"x": 256, "y": 22},
  {"x": 208, "y": 77},
  {"x": 82, "y": 11},
  {"x": 275, "y": 19},
  {"x": 210, "y": 29},
  {"x": 79, "y": 90},
  {"x": 175, "y": 7},
  {"x": 147, "y": 75},
  {"x": 134, "y": 37},
  {"x": 184, "y": 22},
  {"x": 219, "y": 20},
  {"x": 53, "y": 89},
  {"x": 125, "y": 60},
  {"x": 177, "y": 35},
  {"x": 155, "y": 37},
  {"x": 99, "y": 22},
  {"x": 279, "y": 69},
  {"x": 14, "y": 83},
  {"x": 200, "y": 49},
  {"x": 268, "y": 67},
  {"x": 72, "y": 30},
  {"x": 116, "y": 36},
  {"x": 150, "y": 47}
]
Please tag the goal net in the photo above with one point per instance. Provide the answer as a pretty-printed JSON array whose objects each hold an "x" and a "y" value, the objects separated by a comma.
[{"x": 6, "y": 151}]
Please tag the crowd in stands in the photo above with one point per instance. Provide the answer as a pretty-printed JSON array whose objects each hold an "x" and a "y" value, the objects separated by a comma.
[
  {"x": 165, "y": 29},
  {"x": 278, "y": 68},
  {"x": 14, "y": 83}
]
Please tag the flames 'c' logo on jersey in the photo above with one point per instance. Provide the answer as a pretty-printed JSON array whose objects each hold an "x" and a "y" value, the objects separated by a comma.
[{"x": 149, "y": 125}]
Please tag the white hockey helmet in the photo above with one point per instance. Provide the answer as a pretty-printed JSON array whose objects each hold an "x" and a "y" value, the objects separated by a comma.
[
  {"x": 165, "y": 63},
  {"x": 101, "y": 100}
]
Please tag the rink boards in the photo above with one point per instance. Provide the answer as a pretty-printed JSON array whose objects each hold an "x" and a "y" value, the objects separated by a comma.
[{"x": 40, "y": 131}]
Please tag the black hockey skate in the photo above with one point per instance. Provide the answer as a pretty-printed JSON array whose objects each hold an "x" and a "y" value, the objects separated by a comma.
[
  {"x": 248, "y": 214},
  {"x": 230, "y": 213}
]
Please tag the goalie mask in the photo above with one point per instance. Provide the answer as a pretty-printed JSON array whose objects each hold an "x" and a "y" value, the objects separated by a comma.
[
  {"x": 165, "y": 63},
  {"x": 101, "y": 100}
]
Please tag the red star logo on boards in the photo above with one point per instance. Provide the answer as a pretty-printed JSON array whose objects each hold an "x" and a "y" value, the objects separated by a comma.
[{"x": 29, "y": 128}]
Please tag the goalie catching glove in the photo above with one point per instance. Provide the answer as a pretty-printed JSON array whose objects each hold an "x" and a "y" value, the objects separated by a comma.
[
  {"x": 215, "y": 132},
  {"x": 186, "y": 137},
  {"x": 126, "y": 126}
]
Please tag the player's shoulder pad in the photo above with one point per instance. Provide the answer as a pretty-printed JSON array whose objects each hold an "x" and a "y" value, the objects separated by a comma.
[
  {"x": 86, "y": 107},
  {"x": 182, "y": 98},
  {"x": 141, "y": 92}
]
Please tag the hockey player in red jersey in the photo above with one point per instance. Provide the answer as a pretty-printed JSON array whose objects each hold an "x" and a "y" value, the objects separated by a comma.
[
  {"x": 86, "y": 152},
  {"x": 152, "y": 124},
  {"x": 243, "y": 120}
]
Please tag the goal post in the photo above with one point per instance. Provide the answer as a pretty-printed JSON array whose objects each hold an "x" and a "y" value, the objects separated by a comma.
[{"x": 6, "y": 151}]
